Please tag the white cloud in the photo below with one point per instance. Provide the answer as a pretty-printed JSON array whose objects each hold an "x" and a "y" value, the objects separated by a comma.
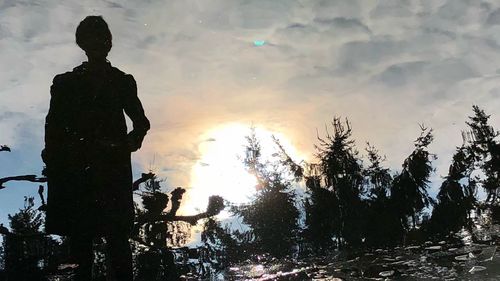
[{"x": 387, "y": 65}]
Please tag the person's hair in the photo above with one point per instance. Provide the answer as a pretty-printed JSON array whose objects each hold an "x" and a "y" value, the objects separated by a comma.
[{"x": 93, "y": 28}]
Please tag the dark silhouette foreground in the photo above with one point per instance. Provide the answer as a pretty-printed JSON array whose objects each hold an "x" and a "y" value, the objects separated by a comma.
[{"x": 87, "y": 153}]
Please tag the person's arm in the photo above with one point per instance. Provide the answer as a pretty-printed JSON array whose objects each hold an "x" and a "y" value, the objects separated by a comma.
[
  {"x": 133, "y": 109},
  {"x": 54, "y": 131}
]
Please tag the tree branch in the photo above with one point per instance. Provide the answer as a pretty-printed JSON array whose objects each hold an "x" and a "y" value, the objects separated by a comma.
[
  {"x": 4, "y": 148},
  {"x": 176, "y": 200},
  {"x": 215, "y": 206},
  {"x": 144, "y": 178},
  {"x": 31, "y": 178}
]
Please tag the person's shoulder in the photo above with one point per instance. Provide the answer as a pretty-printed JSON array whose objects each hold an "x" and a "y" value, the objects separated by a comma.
[
  {"x": 62, "y": 78},
  {"x": 124, "y": 77},
  {"x": 117, "y": 72},
  {"x": 69, "y": 76}
]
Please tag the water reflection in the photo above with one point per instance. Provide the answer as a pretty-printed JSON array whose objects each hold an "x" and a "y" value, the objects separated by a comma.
[{"x": 432, "y": 261}]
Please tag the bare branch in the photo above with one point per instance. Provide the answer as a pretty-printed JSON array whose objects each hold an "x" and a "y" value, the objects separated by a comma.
[
  {"x": 215, "y": 206},
  {"x": 144, "y": 177},
  {"x": 31, "y": 178}
]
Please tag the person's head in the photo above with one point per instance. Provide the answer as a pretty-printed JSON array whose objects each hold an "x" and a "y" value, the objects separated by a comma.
[{"x": 94, "y": 37}]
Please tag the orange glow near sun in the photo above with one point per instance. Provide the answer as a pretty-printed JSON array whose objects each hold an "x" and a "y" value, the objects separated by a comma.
[{"x": 220, "y": 169}]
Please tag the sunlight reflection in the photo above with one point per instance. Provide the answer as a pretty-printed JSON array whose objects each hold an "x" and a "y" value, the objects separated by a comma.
[{"x": 220, "y": 169}]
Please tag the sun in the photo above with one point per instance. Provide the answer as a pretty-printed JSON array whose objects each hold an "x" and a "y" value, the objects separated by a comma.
[{"x": 220, "y": 169}]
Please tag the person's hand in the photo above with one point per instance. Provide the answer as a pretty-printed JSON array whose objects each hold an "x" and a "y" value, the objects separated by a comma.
[
  {"x": 134, "y": 141},
  {"x": 44, "y": 155},
  {"x": 45, "y": 159}
]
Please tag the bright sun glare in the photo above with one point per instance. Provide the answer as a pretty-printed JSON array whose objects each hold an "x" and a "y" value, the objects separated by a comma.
[{"x": 220, "y": 170}]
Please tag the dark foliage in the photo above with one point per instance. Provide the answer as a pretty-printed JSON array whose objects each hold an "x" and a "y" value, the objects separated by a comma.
[
  {"x": 383, "y": 227},
  {"x": 222, "y": 245},
  {"x": 341, "y": 173},
  {"x": 347, "y": 205},
  {"x": 409, "y": 189},
  {"x": 485, "y": 149},
  {"x": 154, "y": 236},
  {"x": 273, "y": 214},
  {"x": 377, "y": 178},
  {"x": 273, "y": 217},
  {"x": 322, "y": 215},
  {"x": 159, "y": 230},
  {"x": 456, "y": 195},
  {"x": 27, "y": 252}
]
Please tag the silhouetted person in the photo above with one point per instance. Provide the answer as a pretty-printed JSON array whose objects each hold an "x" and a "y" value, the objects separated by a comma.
[{"x": 87, "y": 153}]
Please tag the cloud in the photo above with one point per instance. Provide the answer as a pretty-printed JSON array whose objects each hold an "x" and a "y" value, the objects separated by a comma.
[
  {"x": 392, "y": 8},
  {"x": 387, "y": 65},
  {"x": 355, "y": 55},
  {"x": 401, "y": 74},
  {"x": 439, "y": 74},
  {"x": 494, "y": 18},
  {"x": 347, "y": 24}
]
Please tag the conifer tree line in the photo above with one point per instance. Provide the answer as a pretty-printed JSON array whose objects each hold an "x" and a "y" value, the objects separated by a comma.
[
  {"x": 350, "y": 200},
  {"x": 353, "y": 201}
]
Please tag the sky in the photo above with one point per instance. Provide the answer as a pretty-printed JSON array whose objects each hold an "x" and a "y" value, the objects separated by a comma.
[{"x": 288, "y": 67}]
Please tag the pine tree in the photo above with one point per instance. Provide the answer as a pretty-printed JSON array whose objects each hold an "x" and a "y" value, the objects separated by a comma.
[
  {"x": 456, "y": 195},
  {"x": 222, "y": 245},
  {"x": 377, "y": 178},
  {"x": 27, "y": 251},
  {"x": 383, "y": 226},
  {"x": 158, "y": 230},
  {"x": 273, "y": 215},
  {"x": 341, "y": 172},
  {"x": 486, "y": 150},
  {"x": 322, "y": 215},
  {"x": 154, "y": 260},
  {"x": 409, "y": 189}
]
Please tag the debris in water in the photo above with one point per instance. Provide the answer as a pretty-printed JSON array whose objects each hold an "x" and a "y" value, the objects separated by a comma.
[
  {"x": 462, "y": 258},
  {"x": 477, "y": 268},
  {"x": 257, "y": 271},
  {"x": 387, "y": 273},
  {"x": 67, "y": 266},
  {"x": 434, "y": 248}
]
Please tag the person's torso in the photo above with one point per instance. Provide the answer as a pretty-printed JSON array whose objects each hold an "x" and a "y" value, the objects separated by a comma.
[{"x": 93, "y": 116}]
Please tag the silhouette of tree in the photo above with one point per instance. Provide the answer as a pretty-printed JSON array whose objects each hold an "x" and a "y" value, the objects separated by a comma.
[
  {"x": 27, "y": 251},
  {"x": 157, "y": 230},
  {"x": 154, "y": 260},
  {"x": 341, "y": 172},
  {"x": 409, "y": 189},
  {"x": 383, "y": 226},
  {"x": 377, "y": 178},
  {"x": 322, "y": 214},
  {"x": 222, "y": 246},
  {"x": 486, "y": 150},
  {"x": 273, "y": 214},
  {"x": 31, "y": 178},
  {"x": 455, "y": 199}
]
